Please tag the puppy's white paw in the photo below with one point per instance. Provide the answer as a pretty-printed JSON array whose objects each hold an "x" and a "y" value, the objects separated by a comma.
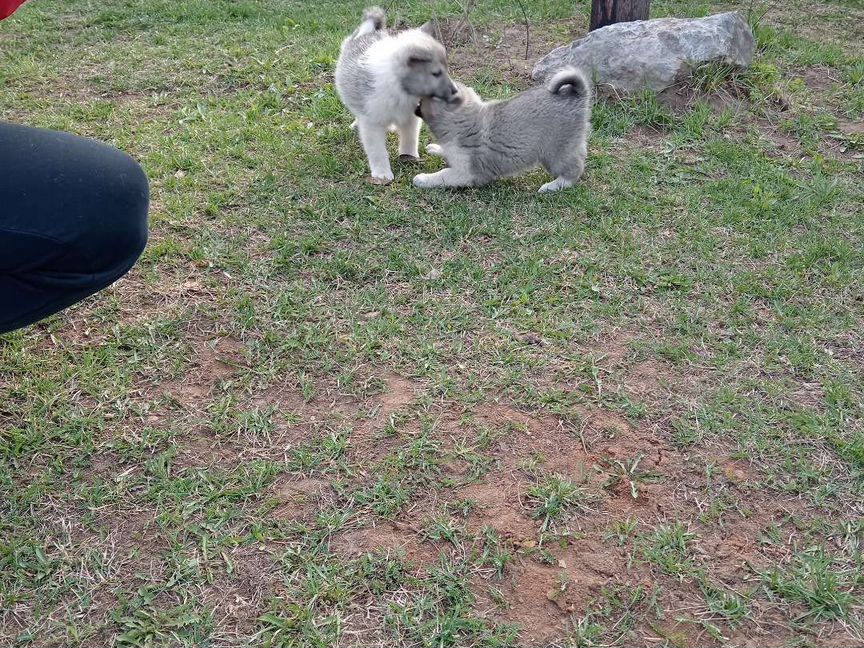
[
  {"x": 556, "y": 185},
  {"x": 434, "y": 149},
  {"x": 425, "y": 180},
  {"x": 384, "y": 178}
]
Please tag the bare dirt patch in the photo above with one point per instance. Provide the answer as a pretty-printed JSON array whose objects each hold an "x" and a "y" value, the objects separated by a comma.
[
  {"x": 681, "y": 97},
  {"x": 239, "y": 597},
  {"x": 398, "y": 393},
  {"x": 498, "y": 505},
  {"x": 370, "y": 417},
  {"x": 531, "y": 594},
  {"x": 199, "y": 447},
  {"x": 388, "y": 539},
  {"x": 669, "y": 485},
  {"x": 214, "y": 359},
  {"x": 613, "y": 348},
  {"x": 544, "y": 440},
  {"x": 848, "y": 127},
  {"x": 647, "y": 379},
  {"x": 819, "y": 79},
  {"x": 220, "y": 357},
  {"x": 300, "y": 498},
  {"x": 783, "y": 143}
]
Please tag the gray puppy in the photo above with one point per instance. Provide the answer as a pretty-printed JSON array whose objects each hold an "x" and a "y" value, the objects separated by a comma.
[
  {"x": 481, "y": 141},
  {"x": 380, "y": 78}
]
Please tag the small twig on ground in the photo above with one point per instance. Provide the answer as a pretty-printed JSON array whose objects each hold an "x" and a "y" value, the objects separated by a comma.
[
  {"x": 467, "y": 8},
  {"x": 753, "y": 24},
  {"x": 527, "y": 27}
]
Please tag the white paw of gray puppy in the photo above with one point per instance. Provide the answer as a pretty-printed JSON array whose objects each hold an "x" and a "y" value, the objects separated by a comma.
[
  {"x": 556, "y": 185},
  {"x": 424, "y": 180},
  {"x": 434, "y": 149}
]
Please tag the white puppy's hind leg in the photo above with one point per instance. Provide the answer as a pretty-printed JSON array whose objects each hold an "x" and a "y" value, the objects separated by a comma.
[
  {"x": 556, "y": 185},
  {"x": 435, "y": 149},
  {"x": 374, "y": 139},
  {"x": 448, "y": 177},
  {"x": 409, "y": 138}
]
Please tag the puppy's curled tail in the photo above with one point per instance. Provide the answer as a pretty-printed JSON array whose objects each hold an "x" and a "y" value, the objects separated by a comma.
[
  {"x": 569, "y": 82},
  {"x": 374, "y": 19}
]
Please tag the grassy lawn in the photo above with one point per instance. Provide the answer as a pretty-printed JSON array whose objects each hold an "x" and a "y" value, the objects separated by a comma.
[{"x": 323, "y": 413}]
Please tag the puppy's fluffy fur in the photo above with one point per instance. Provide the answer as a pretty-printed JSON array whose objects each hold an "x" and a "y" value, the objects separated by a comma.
[
  {"x": 380, "y": 77},
  {"x": 547, "y": 125}
]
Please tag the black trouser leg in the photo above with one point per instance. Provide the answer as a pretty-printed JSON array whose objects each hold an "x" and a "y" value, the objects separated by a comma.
[{"x": 73, "y": 219}]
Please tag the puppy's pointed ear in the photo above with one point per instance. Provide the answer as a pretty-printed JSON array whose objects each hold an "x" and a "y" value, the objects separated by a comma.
[{"x": 431, "y": 28}]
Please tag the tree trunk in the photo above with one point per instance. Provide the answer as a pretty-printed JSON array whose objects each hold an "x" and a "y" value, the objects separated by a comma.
[{"x": 608, "y": 12}]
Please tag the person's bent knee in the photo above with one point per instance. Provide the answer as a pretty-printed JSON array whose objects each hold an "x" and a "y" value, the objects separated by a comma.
[
  {"x": 133, "y": 238},
  {"x": 74, "y": 220},
  {"x": 118, "y": 229}
]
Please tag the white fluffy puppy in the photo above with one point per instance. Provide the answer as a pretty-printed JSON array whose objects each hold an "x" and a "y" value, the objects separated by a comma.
[{"x": 380, "y": 78}]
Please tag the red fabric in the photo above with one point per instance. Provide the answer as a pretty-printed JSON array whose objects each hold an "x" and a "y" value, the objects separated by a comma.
[{"x": 8, "y": 7}]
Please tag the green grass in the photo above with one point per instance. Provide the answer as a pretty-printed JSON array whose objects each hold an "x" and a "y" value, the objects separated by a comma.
[
  {"x": 727, "y": 605},
  {"x": 319, "y": 412},
  {"x": 669, "y": 547},
  {"x": 822, "y": 585},
  {"x": 629, "y": 474},
  {"x": 555, "y": 498}
]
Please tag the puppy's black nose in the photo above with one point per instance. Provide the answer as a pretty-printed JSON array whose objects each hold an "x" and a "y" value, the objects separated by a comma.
[
  {"x": 418, "y": 112},
  {"x": 454, "y": 92}
]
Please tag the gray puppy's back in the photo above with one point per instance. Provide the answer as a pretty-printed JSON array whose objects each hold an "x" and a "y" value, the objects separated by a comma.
[{"x": 533, "y": 128}]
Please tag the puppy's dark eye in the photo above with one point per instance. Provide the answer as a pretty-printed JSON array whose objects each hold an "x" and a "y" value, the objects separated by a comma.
[{"x": 437, "y": 74}]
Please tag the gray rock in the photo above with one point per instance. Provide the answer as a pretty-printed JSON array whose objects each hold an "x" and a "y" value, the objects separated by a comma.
[{"x": 654, "y": 54}]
